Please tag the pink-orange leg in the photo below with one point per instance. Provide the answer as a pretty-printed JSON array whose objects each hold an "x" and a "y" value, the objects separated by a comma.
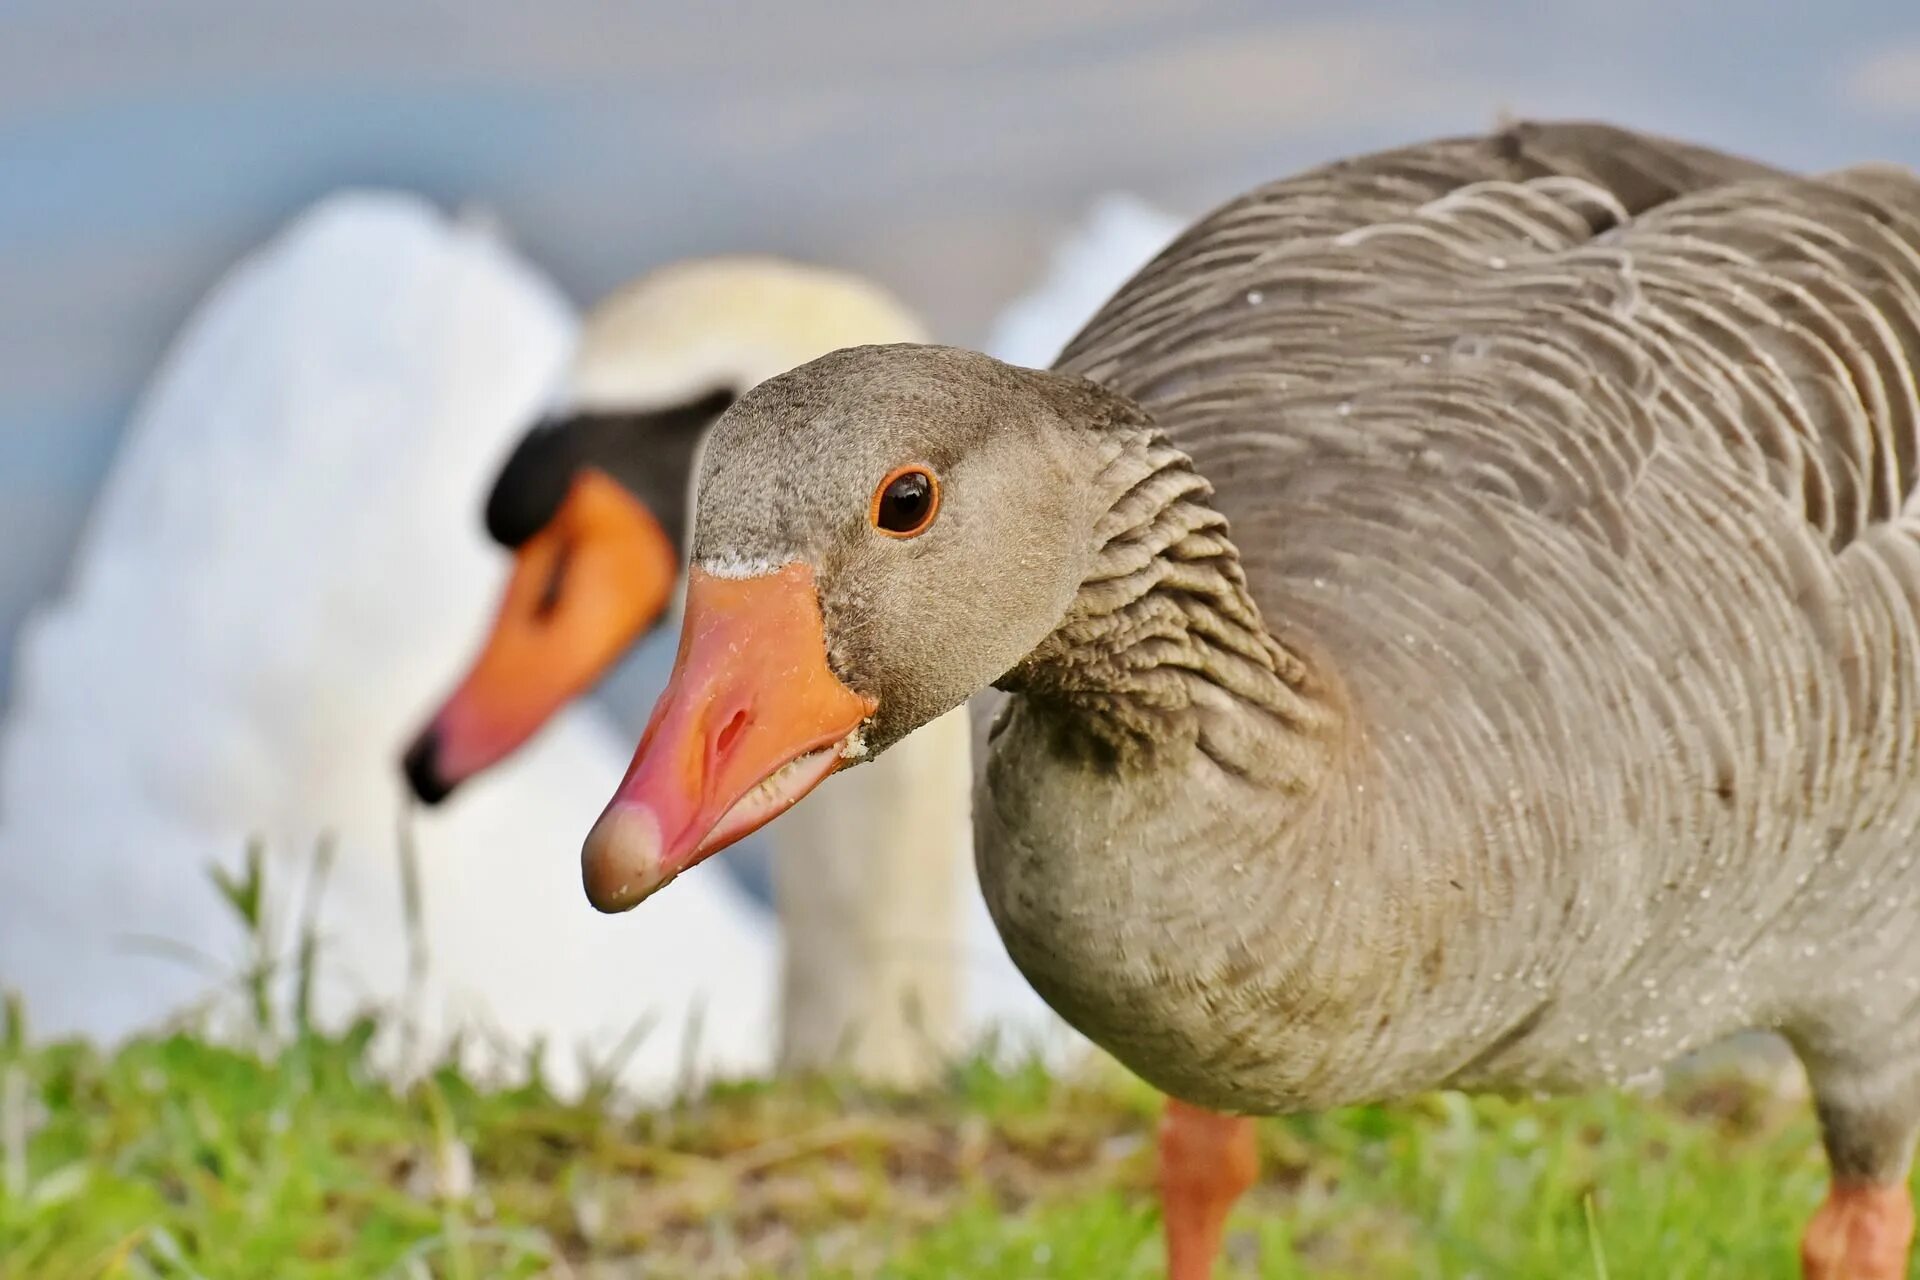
[
  {"x": 1207, "y": 1161},
  {"x": 1862, "y": 1232}
]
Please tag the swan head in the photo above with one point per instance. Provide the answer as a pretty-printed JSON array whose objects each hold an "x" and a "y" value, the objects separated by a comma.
[
  {"x": 592, "y": 502},
  {"x": 881, "y": 534}
]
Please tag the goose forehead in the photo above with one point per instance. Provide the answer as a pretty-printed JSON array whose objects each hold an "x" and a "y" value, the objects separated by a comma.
[
  {"x": 864, "y": 403},
  {"x": 764, "y": 495},
  {"x": 800, "y": 455}
]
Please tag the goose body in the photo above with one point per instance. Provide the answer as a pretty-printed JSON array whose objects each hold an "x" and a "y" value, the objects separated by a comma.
[
  {"x": 1459, "y": 612},
  {"x": 1485, "y": 435}
]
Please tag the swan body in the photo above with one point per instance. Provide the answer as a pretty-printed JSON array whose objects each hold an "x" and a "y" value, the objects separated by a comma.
[{"x": 283, "y": 556}]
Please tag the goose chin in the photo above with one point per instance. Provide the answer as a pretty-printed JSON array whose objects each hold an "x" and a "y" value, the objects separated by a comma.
[
  {"x": 627, "y": 859},
  {"x": 778, "y": 792}
]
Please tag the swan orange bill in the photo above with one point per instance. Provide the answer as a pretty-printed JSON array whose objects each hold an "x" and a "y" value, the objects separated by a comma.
[
  {"x": 752, "y": 719},
  {"x": 583, "y": 589}
]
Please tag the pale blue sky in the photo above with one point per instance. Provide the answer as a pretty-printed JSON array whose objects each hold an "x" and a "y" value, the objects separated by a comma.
[{"x": 142, "y": 146}]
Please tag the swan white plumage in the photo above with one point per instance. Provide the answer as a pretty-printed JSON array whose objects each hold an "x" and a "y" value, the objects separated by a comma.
[{"x": 285, "y": 555}]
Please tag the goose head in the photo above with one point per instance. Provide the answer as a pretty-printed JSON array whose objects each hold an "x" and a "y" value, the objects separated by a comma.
[
  {"x": 592, "y": 502},
  {"x": 881, "y": 533}
]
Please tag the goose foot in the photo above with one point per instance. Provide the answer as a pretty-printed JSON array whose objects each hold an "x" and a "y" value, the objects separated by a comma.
[
  {"x": 1207, "y": 1161},
  {"x": 1862, "y": 1232}
]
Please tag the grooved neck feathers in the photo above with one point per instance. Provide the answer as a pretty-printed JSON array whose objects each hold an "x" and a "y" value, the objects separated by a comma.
[{"x": 1163, "y": 639}]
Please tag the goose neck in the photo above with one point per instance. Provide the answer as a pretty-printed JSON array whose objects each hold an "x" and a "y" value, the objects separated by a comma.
[{"x": 1163, "y": 646}]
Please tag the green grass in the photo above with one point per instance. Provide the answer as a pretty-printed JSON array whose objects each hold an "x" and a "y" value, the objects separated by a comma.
[{"x": 176, "y": 1158}]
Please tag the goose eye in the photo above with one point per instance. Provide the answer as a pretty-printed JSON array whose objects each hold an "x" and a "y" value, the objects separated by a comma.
[{"x": 906, "y": 502}]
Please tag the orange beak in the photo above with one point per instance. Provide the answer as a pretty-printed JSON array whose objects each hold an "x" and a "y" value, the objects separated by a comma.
[
  {"x": 583, "y": 590},
  {"x": 752, "y": 720}
]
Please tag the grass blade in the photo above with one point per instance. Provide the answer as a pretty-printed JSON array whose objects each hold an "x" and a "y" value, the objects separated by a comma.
[{"x": 1598, "y": 1249}]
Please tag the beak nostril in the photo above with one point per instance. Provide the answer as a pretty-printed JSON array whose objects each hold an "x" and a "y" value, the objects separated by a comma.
[
  {"x": 729, "y": 731},
  {"x": 543, "y": 608}
]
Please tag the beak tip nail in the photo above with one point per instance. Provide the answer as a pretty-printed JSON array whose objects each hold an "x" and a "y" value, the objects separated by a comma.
[{"x": 621, "y": 864}]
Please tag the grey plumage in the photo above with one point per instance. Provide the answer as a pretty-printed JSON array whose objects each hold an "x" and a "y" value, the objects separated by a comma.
[
  {"x": 1592, "y": 499},
  {"x": 1488, "y": 653}
]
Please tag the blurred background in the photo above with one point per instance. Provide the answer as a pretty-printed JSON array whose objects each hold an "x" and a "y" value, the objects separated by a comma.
[{"x": 938, "y": 149}]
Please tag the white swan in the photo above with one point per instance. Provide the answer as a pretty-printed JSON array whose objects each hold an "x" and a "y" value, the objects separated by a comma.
[
  {"x": 283, "y": 560},
  {"x": 284, "y": 555}
]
